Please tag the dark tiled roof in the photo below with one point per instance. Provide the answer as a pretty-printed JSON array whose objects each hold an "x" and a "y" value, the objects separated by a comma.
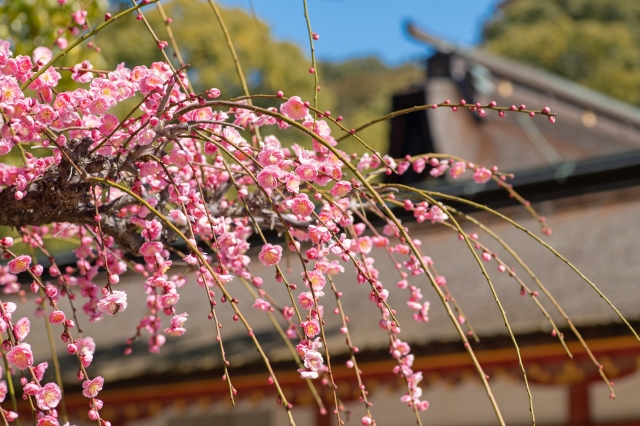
[{"x": 589, "y": 124}]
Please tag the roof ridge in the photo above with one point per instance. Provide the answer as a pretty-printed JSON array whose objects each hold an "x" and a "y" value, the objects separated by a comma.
[{"x": 536, "y": 77}]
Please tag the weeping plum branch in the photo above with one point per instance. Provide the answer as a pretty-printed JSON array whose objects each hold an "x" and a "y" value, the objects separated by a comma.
[{"x": 194, "y": 170}]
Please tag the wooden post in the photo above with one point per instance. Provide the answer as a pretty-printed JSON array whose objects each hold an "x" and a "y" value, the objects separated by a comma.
[
  {"x": 324, "y": 420},
  {"x": 579, "y": 404}
]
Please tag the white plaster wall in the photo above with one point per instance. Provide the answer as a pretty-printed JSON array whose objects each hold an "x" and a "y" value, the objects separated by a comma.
[
  {"x": 466, "y": 404},
  {"x": 626, "y": 405},
  {"x": 303, "y": 415}
]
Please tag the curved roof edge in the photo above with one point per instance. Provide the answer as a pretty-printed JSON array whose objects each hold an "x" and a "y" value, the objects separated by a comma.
[{"x": 534, "y": 77}]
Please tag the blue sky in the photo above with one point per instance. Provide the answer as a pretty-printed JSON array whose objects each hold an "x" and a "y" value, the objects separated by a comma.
[{"x": 355, "y": 28}]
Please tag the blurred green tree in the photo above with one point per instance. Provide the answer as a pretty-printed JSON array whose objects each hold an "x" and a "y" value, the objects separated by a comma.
[
  {"x": 593, "y": 42},
  {"x": 358, "y": 89},
  {"x": 27, "y": 24}
]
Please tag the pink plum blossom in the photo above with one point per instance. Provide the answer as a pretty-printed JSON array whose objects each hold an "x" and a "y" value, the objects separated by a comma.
[
  {"x": 482, "y": 175},
  {"x": 48, "y": 396},
  {"x": 21, "y": 328},
  {"x": 458, "y": 169},
  {"x": 21, "y": 356},
  {"x": 268, "y": 177},
  {"x": 294, "y": 108},
  {"x": 270, "y": 254},
  {"x": 19, "y": 264},
  {"x": 56, "y": 317},
  {"x": 262, "y": 305},
  {"x": 340, "y": 189},
  {"x": 113, "y": 303},
  {"x": 301, "y": 206},
  {"x": 47, "y": 421},
  {"x": 92, "y": 387},
  {"x": 311, "y": 328},
  {"x": 151, "y": 248}
]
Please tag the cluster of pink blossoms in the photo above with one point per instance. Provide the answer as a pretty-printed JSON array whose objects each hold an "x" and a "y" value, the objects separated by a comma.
[{"x": 192, "y": 163}]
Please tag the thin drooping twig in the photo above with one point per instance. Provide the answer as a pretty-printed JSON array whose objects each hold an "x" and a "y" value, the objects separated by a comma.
[
  {"x": 375, "y": 195},
  {"x": 320, "y": 322},
  {"x": 541, "y": 242},
  {"x": 444, "y": 105},
  {"x": 234, "y": 55},
  {"x": 497, "y": 299},
  {"x": 515, "y": 276},
  {"x": 172, "y": 39},
  {"x": 73, "y": 44},
  {"x": 236, "y": 61},
  {"x": 12, "y": 391},
  {"x": 161, "y": 46},
  {"x": 212, "y": 311},
  {"x": 352, "y": 352},
  {"x": 314, "y": 66},
  {"x": 287, "y": 341},
  {"x": 197, "y": 253},
  {"x": 544, "y": 289}
]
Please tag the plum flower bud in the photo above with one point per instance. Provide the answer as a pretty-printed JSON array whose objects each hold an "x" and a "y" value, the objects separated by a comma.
[
  {"x": 213, "y": 93},
  {"x": 114, "y": 278},
  {"x": 62, "y": 43},
  {"x": 288, "y": 312},
  {"x": 210, "y": 148},
  {"x": 37, "y": 270},
  {"x": 40, "y": 369},
  {"x": 51, "y": 291},
  {"x": 98, "y": 404},
  {"x": 72, "y": 348},
  {"x": 6, "y": 242}
]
